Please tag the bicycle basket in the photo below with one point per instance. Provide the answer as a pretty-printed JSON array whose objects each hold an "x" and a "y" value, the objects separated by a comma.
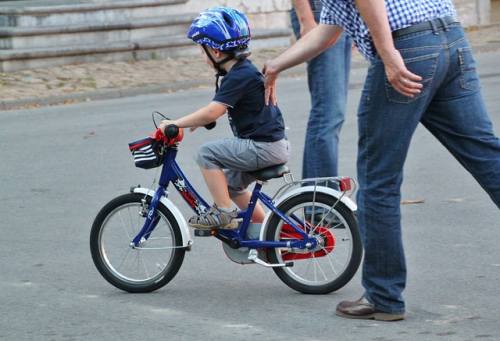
[{"x": 147, "y": 153}]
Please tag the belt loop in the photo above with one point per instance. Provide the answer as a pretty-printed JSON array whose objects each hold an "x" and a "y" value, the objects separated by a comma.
[
  {"x": 434, "y": 28},
  {"x": 444, "y": 24}
]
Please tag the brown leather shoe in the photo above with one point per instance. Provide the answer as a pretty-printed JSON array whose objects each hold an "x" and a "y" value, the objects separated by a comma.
[{"x": 362, "y": 309}]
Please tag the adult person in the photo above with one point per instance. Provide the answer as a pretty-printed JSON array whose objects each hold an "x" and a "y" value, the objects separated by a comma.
[
  {"x": 328, "y": 79},
  {"x": 422, "y": 70}
]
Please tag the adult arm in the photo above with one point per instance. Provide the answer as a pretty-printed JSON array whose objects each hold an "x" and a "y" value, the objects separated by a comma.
[
  {"x": 305, "y": 15},
  {"x": 374, "y": 14},
  {"x": 309, "y": 46}
]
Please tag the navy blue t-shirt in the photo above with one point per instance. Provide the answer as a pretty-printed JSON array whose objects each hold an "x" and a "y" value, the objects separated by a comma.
[{"x": 242, "y": 91}]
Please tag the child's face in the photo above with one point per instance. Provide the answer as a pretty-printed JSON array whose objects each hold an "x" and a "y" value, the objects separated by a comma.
[
  {"x": 204, "y": 54},
  {"x": 216, "y": 54}
]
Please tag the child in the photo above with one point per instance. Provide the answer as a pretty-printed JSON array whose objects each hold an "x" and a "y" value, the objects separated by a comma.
[{"x": 259, "y": 131}]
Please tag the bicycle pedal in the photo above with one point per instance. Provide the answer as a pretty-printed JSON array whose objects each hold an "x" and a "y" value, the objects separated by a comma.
[{"x": 204, "y": 233}]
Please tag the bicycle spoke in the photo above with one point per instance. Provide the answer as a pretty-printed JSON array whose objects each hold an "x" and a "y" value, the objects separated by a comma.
[
  {"x": 308, "y": 267},
  {"x": 144, "y": 265},
  {"x": 131, "y": 226},
  {"x": 323, "y": 217},
  {"x": 124, "y": 258},
  {"x": 124, "y": 226},
  {"x": 329, "y": 259},
  {"x": 319, "y": 267},
  {"x": 315, "y": 272}
]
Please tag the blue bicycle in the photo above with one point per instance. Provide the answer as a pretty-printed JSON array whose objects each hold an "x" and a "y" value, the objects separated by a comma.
[{"x": 309, "y": 237}]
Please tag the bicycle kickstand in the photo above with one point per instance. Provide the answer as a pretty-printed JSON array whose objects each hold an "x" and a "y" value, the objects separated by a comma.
[{"x": 254, "y": 257}]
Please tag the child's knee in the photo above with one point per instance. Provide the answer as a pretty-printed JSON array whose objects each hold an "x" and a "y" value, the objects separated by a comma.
[
  {"x": 235, "y": 191},
  {"x": 205, "y": 157}
]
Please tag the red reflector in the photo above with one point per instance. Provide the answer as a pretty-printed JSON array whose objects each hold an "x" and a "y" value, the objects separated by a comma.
[{"x": 345, "y": 184}]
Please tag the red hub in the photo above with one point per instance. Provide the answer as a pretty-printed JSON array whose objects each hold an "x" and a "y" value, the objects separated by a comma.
[{"x": 325, "y": 238}]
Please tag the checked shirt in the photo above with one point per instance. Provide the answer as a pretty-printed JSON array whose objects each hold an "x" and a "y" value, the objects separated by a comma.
[{"x": 401, "y": 14}]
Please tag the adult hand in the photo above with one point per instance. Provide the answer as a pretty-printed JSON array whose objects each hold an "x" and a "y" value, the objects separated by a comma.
[
  {"x": 404, "y": 81},
  {"x": 271, "y": 74}
]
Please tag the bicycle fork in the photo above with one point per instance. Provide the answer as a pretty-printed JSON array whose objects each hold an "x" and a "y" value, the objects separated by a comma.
[{"x": 152, "y": 219}]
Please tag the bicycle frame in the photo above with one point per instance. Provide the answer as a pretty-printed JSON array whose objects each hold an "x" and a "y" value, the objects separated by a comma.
[{"x": 171, "y": 173}]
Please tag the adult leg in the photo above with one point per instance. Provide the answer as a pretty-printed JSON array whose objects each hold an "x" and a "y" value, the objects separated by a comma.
[
  {"x": 384, "y": 137},
  {"x": 386, "y": 123},
  {"x": 457, "y": 117},
  {"x": 328, "y": 79}
]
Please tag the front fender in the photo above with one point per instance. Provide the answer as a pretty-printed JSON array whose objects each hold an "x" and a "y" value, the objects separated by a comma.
[
  {"x": 187, "y": 240},
  {"x": 297, "y": 191}
]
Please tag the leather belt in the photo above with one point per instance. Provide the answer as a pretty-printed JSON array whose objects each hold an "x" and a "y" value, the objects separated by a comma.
[{"x": 434, "y": 25}]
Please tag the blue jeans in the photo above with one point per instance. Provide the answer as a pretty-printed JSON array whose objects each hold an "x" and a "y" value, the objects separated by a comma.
[
  {"x": 328, "y": 79},
  {"x": 452, "y": 109}
]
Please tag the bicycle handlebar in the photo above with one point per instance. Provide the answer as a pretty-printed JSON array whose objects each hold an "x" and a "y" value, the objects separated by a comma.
[
  {"x": 210, "y": 126},
  {"x": 171, "y": 131}
]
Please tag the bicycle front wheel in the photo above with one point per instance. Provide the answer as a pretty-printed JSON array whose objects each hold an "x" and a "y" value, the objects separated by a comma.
[
  {"x": 144, "y": 268},
  {"x": 336, "y": 258}
]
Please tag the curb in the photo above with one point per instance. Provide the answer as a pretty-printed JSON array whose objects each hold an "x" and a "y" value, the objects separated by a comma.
[
  {"x": 98, "y": 95},
  {"x": 357, "y": 75}
]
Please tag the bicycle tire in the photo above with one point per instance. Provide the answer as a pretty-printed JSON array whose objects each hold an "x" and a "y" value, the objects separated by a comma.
[
  {"x": 105, "y": 262},
  {"x": 348, "y": 222}
]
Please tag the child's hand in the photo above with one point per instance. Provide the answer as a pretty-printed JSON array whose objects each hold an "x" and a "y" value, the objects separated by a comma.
[{"x": 165, "y": 123}]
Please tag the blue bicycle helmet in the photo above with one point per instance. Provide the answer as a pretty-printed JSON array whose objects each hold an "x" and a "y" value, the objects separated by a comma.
[{"x": 222, "y": 28}]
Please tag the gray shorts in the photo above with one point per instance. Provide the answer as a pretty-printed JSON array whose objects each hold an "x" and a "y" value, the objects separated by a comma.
[{"x": 237, "y": 156}]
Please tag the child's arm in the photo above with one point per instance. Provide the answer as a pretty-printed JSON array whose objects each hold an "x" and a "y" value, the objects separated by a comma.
[{"x": 199, "y": 118}]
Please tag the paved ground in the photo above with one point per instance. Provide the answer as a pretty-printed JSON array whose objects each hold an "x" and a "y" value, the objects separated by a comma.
[
  {"x": 61, "y": 164},
  {"x": 76, "y": 83}
]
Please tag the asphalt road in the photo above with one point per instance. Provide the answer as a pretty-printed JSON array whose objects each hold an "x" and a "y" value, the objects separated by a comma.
[{"x": 59, "y": 165}]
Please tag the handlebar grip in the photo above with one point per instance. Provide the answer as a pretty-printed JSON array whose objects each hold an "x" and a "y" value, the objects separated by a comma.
[
  {"x": 171, "y": 131},
  {"x": 210, "y": 126}
]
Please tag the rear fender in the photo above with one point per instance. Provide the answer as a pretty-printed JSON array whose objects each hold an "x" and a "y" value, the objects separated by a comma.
[{"x": 297, "y": 191}]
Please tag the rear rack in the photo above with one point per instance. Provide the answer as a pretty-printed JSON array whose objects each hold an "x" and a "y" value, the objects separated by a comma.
[{"x": 346, "y": 185}]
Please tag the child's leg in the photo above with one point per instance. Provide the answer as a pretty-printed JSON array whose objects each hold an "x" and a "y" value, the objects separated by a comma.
[
  {"x": 242, "y": 200},
  {"x": 221, "y": 215},
  {"x": 217, "y": 185}
]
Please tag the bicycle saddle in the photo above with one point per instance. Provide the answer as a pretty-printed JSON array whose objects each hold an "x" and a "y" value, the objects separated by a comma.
[{"x": 272, "y": 172}]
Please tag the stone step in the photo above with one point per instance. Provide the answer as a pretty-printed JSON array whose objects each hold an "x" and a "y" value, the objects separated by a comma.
[
  {"x": 167, "y": 47},
  {"x": 43, "y": 13},
  {"x": 123, "y": 30}
]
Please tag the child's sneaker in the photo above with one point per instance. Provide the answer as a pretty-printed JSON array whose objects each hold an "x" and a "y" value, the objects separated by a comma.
[{"x": 215, "y": 218}]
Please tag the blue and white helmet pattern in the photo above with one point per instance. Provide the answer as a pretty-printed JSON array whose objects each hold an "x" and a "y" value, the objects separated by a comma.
[{"x": 221, "y": 28}]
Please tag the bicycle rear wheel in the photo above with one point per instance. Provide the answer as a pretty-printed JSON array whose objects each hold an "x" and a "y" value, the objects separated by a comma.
[
  {"x": 144, "y": 268},
  {"x": 336, "y": 259}
]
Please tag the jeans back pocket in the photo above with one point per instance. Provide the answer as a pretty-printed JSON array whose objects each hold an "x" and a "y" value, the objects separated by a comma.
[
  {"x": 468, "y": 74},
  {"x": 423, "y": 66}
]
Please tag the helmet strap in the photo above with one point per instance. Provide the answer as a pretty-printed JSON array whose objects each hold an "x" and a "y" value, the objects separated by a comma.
[{"x": 218, "y": 66}]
